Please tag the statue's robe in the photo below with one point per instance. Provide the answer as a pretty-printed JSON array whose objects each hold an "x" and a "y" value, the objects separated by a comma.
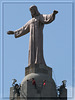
[{"x": 35, "y": 27}]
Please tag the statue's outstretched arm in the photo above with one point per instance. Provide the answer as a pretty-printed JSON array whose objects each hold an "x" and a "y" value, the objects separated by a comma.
[
  {"x": 20, "y": 32},
  {"x": 48, "y": 18}
]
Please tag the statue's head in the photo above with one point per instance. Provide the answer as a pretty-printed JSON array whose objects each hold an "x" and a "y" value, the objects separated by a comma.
[{"x": 34, "y": 11}]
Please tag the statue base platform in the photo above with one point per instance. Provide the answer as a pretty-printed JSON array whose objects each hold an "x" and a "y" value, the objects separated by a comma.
[
  {"x": 38, "y": 68},
  {"x": 38, "y": 91},
  {"x": 40, "y": 73}
]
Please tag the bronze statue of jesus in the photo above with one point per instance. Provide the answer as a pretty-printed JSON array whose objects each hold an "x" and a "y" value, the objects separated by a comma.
[{"x": 35, "y": 27}]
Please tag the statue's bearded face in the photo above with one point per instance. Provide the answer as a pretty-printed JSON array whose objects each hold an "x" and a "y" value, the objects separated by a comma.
[{"x": 32, "y": 12}]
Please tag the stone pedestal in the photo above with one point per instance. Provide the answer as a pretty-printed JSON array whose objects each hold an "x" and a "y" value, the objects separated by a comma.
[
  {"x": 39, "y": 73},
  {"x": 38, "y": 68},
  {"x": 28, "y": 91}
]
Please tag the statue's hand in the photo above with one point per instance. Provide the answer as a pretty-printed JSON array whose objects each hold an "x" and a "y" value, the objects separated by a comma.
[
  {"x": 55, "y": 12},
  {"x": 10, "y": 32}
]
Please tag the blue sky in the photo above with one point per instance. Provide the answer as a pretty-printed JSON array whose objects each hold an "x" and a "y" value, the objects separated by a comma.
[{"x": 57, "y": 42}]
